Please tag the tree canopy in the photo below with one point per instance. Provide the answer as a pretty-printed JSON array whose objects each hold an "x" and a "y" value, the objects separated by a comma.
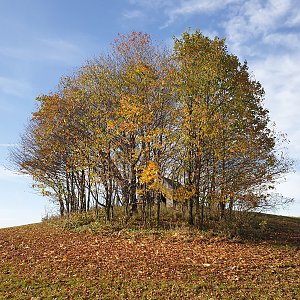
[{"x": 144, "y": 125}]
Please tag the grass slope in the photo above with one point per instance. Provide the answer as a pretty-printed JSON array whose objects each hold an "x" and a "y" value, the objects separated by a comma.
[{"x": 44, "y": 262}]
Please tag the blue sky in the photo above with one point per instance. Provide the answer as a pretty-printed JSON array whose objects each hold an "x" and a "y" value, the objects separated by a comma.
[{"x": 44, "y": 40}]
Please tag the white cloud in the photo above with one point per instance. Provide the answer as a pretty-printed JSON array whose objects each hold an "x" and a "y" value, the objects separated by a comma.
[
  {"x": 132, "y": 14},
  {"x": 290, "y": 189},
  {"x": 280, "y": 77},
  {"x": 191, "y": 7},
  {"x": 262, "y": 15},
  {"x": 257, "y": 32},
  {"x": 153, "y": 3},
  {"x": 244, "y": 18},
  {"x": 13, "y": 177},
  {"x": 176, "y": 9},
  {"x": 13, "y": 87},
  {"x": 257, "y": 19},
  {"x": 287, "y": 40},
  {"x": 45, "y": 49},
  {"x": 6, "y": 174},
  {"x": 294, "y": 19},
  {"x": 8, "y": 145},
  {"x": 59, "y": 49}
]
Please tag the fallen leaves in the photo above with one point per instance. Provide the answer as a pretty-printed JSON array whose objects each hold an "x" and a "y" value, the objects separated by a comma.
[{"x": 53, "y": 263}]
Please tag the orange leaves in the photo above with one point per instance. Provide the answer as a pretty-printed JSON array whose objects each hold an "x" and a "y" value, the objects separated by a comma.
[
  {"x": 129, "y": 108},
  {"x": 151, "y": 175},
  {"x": 184, "y": 193},
  {"x": 133, "y": 113},
  {"x": 110, "y": 125},
  {"x": 143, "y": 69},
  {"x": 66, "y": 264}
]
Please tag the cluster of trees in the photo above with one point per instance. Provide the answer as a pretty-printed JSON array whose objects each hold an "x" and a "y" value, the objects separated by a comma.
[{"x": 144, "y": 124}]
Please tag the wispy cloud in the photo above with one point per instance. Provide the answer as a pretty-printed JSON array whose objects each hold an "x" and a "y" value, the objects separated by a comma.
[
  {"x": 263, "y": 15},
  {"x": 8, "y": 145},
  {"x": 6, "y": 174},
  {"x": 9, "y": 175},
  {"x": 176, "y": 9},
  {"x": 133, "y": 14},
  {"x": 45, "y": 49},
  {"x": 289, "y": 187},
  {"x": 153, "y": 3},
  {"x": 294, "y": 19},
  {"x": 285, "y": 40},
  {"x": 60, "y": 49},
  {"x": 280, "y": 77},
  {"x": 256, "y": 20},
  {"x": 242, "y": 21},
  {"x": 265, "y": 32},
  {"x": 14, "y": 87},
  {"x": 186, "y": 8}
]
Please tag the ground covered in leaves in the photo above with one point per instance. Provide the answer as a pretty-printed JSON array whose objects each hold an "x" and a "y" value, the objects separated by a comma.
[{"x": 44, "y": 262}]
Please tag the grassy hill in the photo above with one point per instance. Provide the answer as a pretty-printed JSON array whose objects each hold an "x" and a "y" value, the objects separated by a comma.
[{"x": 43, "y": 261}]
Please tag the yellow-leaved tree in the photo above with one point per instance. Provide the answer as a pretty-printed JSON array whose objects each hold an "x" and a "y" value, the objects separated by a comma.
[{"x": 143, "y": 125}]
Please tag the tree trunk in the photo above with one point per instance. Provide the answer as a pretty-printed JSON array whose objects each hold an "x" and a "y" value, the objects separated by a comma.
[
  {"x": 158, "y": 210},
  {"x": 191, "y": 215},
  {"x": 133, "y": 199},
  {"x": 197, "y": 212}
]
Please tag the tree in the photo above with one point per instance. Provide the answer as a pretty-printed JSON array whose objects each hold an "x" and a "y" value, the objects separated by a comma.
[
  {"x": 125, "y": 124},
  {"x": 229, "y": 149}
]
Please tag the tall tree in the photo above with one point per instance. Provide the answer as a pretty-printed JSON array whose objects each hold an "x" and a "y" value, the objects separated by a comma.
[
  {"x": 138, "y": 125},
  {"x": 230, "y": 150}
]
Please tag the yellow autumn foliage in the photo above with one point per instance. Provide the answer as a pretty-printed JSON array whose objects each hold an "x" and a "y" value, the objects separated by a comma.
[{"x": 151, "y": 175}]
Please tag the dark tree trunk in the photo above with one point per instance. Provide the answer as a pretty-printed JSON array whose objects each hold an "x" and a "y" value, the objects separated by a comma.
[
  {"x": 191, "y": 215},
  {"x": 158, "y": 210}
]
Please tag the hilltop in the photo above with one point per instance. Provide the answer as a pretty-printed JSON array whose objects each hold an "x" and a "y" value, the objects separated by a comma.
[{"x": 43, "y": 261}]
